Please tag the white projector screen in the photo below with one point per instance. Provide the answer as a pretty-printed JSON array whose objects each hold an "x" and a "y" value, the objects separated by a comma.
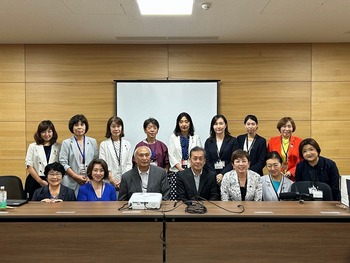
[{"x": 137, "y": 101}]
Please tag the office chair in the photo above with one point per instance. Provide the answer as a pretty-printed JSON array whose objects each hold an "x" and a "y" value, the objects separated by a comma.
[
  {"x": 303, "y": 188},
  {"x": 13, "y": 186}
]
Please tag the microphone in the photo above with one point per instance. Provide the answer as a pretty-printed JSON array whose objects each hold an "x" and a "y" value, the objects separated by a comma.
[{"x": 295, "y": 196}]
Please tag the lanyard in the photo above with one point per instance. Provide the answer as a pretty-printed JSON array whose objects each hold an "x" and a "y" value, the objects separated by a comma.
[
  {"x": 120, "y": 150},
  {"x": 284, "y": 150},
  {"x": 82, "y": 152},
  {"x": 281, "y": 185},
  {"x": 251, "y": 146},
  {"x": 153, "y": 151}
]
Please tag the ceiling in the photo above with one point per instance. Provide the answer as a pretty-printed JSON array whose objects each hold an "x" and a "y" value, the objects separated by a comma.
[{"x": 227, "y": 21}]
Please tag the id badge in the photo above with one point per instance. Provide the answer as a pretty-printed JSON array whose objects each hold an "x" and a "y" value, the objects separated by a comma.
[
  {"x": 219, "y": 165},
  {"x": 316, "y": 193},
  {"x": 184, "y": 163},
  {"x": 82, "y": 169}
]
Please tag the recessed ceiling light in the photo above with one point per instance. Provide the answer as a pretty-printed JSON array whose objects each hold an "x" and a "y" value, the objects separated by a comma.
[{"x": 165, "y": 7}]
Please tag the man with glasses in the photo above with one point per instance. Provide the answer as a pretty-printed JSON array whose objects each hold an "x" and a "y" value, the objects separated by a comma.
[{"x": 144, "y": 177}]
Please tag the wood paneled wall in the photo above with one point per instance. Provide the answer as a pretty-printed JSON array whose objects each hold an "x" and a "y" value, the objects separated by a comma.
[{"x": 309, "y": 82}]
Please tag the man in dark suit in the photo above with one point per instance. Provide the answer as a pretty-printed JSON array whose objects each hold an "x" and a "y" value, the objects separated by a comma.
[
  {"x": 196, "y": 182},
  {"x": 144, "y": 177}
]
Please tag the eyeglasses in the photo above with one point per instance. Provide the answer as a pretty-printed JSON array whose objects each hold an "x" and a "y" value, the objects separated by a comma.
[{"x": 54, "y": 174}]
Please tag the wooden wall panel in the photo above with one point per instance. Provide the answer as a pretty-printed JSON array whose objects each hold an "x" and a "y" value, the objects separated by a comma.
[
  {"x": 95, "y": 63},
  {"x": 331, "y": 62},
  {"x": 60, "y": 101},
  {"x": 13, "y": 167},
  {"x": 11, "y": 63},
  {"x": 330, "y": 101},
  {"x": 267, "y": 100},
  {"x": 241, "y": 62},
  {"x": 12, "y": 102}
]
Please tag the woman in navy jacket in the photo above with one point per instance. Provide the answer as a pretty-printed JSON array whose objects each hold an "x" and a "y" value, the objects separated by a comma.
[
  {"x": 316, "y": 168},
  {"x": 219, "y": 147},
  {"x": 254, "y": 144}
]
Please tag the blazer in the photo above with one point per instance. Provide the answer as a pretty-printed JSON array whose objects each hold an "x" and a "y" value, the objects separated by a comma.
[
  {"x": 186, "y": 186},
  {"x": 37, "y": 159},
  {"x": 229, "y": 145},
  {"x": 257, "y": 154},
  {"x": 107, "y": 153},
  {"x": 275, "y": 144},
  {"x": 268, "y": 191},
  {"x": 230, "y": 189},
  {"x": 70, "y": 158},
  {"x": 65, "y": 194},
  {"x": 327, "y": 172},
  {"x": 131, "y": 183},
  {"x": 175, "y": 151}
]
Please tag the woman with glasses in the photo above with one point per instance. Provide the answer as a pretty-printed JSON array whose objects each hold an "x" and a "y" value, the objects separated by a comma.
[
  {"x": 274, "y": 183},
  {"x": 54, "y": 191}
]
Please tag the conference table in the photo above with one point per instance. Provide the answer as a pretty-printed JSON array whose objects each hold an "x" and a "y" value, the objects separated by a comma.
[{"x": 104, "y": 232}]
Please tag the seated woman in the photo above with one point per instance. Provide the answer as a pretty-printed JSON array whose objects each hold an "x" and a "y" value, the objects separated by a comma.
[
  {"x": 274, "y": 183},
  {"x": 97, "y": 189},
  {"x": 54, "y": 191},
  {"x": 316, "y": 168},
  {"x": 241, "y": 184}
]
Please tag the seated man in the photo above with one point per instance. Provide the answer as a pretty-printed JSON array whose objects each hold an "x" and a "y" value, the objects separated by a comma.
[
  {"x": 196, "y": 182},
  {"x": 144, "y": 177}
]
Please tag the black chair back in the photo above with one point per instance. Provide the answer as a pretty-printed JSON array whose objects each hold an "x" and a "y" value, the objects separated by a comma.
[
  {"x": 303, "y": 188},
  {"x": 13, "y": 186}
]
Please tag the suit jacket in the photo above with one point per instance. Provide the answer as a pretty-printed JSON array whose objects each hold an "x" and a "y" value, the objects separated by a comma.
[
  {"x": 66, "y": 194},
  {"x": 229, "y": 145},
  {"x": 186, "y": 186},
  {"x": 230, "y": 189},
  {"x": 131, "y": 183},
  {"x": 327, "y": 172},
  {"x": 175, "y": 151},
  {"x": 70, "y": 157},
  {"x": 275, "y": 144},
  {"x": 257, "y": 154},
  {"x": 37, "y": 159},
  {"x": 107, "y": 153}
]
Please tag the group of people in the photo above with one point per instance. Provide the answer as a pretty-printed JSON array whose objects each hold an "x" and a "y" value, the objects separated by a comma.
[{"x": 226, "y": 168}]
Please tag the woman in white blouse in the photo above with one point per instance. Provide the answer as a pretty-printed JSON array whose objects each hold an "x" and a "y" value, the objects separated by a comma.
[
  {"x": 180, "y": 144},
  {"x": 116, "y": 151},
  {"x": 43, "y": 151},
  {"x": 241, "y": 184}
]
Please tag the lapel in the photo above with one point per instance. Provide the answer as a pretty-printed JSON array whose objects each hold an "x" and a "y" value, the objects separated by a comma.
[
  {"x": 292, "y": 144},
  {"x": 202, "y": 182},
  {"x": 41, "y": 154},
  {"x": 75, "y": 150},
  {"x": 136, "y": 180},
  {"x": 54, "y": 153},
  {"x": 190, "y": 177},
  {"x": 224, "y": 144},
  {"x": 111, "y": 150}
]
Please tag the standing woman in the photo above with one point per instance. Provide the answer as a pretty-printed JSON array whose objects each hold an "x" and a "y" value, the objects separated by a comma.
[
  {"x": 44, "y": 150},
  {"x": 274, "y": 183},
  {"x": 96, "y": 189},
  {"x": 316, "y": 168},
  {"x": 254, "y": 144},
  {"x": 180, "y": 144},
  {"x": 116, "y": 151},
  {"x": 77, "y": 152},
  {"x": 219, "y": 147},
  {"x": 241, "y": 184},
  {"x": 287, "y": 146},
  {"x": 159, "y": 150}
]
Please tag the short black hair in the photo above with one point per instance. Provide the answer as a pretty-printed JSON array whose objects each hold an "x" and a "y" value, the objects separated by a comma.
[
  {"x": 56, "y": 166},
  {"x": 75, "y": 119},
  {"x": 91, "y": 166}
]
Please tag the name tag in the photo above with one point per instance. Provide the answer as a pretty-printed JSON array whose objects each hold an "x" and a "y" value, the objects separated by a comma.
[
  {"x": 315, "y": 193},
  {"x": 219, "y": 165}
]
